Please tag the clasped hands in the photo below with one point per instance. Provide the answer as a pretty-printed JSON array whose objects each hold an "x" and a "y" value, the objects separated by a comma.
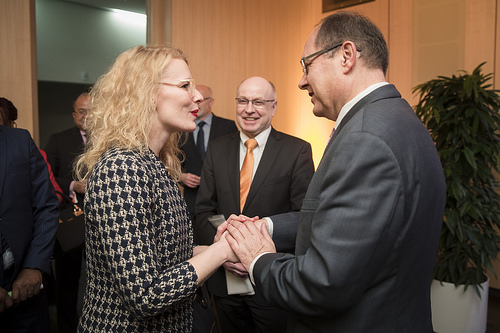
[{"x": 248, "y": 238}]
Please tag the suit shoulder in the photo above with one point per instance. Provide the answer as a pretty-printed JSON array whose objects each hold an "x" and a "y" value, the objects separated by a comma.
[
  {"x": 224, "y": 122},
  {"x": 15, "y": 131},
  {"x": 67, "y": 132},
  {"x": 224, "y": 139},
  {"x": 18, "y": 134},
  {"x": 291, "y": 139}
]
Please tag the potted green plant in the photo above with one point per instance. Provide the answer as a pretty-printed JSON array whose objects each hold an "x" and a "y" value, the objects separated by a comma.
[{"x": 461, "y": 113}]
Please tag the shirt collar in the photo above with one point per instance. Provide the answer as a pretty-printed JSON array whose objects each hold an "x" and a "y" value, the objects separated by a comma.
[
  {"x": 348, "y": 106},
  {"x": 207, "y": 120},
  {"x": 261, "y": 137}
]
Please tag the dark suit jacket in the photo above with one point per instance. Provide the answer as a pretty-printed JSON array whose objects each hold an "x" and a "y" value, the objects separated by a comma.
[
  {"x": 62, "y": 150},
  {"x": 28, "y": 204},
  {"x": 368, "y": 228},
  {"x": 279, "y": 185},
  {"x": 193, "y": 162}
]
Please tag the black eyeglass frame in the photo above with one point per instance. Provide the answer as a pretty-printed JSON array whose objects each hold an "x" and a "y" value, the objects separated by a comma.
[{"x": 317, "y": 54}]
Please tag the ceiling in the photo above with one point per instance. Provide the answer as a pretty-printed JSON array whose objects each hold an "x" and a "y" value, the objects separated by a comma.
[{"x": 137, "y": 6}]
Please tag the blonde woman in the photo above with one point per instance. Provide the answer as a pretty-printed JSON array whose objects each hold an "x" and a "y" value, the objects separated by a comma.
[{"x": 142, "y": 274}]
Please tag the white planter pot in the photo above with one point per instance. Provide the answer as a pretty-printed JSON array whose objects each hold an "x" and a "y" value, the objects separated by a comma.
[{"x": 454, "y": 311}]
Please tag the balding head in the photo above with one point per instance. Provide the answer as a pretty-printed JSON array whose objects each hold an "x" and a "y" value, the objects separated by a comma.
[
  {"x": 80, "y": 109},
  {"x": 251, "y": 118},
  {"x": 205, "y": 106}
]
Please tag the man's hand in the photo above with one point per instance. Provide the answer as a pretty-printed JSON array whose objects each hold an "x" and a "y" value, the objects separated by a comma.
[
  {"x": 26, "y": 285},
  {"x": 190, "y": 180},
  {"x": 248, "y": 241},
  {"x": 233, "y": 218},
  {"x": 79, "y": 186},
  {"x": 236, "y": 268},
  {"x": 5, "y": 300}
]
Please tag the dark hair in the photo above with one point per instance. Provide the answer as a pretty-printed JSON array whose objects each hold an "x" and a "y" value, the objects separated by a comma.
[
  {"x": 350, "y": 26},
  {"x": 8, "y": 112}
]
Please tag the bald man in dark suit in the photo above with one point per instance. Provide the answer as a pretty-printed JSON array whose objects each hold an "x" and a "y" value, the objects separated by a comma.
[{"x": 282, "y": 169}]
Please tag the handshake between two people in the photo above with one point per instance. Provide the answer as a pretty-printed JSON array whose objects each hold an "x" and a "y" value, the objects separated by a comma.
[{"x": 247, "y": 238}]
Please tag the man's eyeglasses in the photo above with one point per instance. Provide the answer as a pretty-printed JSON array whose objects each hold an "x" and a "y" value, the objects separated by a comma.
[
  {"x": 257, "y": 103},
  {"x": 81, "y": 112},
  {"x": 316, "y": 54},
  {"x": 187, "y": 84}
]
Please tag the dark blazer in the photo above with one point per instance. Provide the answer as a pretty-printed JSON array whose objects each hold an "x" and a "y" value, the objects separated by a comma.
[
  {"x": 279, "y": 185},
  {"x": 28, "y": 204},
  {"x": 62, "y": 150},
  {"x": 368, "y": 228},
  {"x": 193, "y": 161}
]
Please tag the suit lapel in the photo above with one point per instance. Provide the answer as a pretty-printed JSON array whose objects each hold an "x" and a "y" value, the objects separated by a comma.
[
  {"x": 214, "y": 127},
  {"x": 232, "y": 156},
  {"x": 191, "y": 147},
  {"x": 273, "y": 146},
  {"x": 387, "y": 91}
]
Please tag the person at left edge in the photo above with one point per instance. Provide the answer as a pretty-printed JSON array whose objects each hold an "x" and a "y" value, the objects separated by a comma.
[
  {"x": 8, "y": 117},
  {"x": 28, "y": 224}
]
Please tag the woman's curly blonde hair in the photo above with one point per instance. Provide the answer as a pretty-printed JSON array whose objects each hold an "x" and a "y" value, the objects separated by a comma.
[{"x": 123, "y": 104}]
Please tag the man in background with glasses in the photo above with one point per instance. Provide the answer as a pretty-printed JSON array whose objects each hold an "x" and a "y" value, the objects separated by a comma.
[
  {"x": 62, "y": 150},
  {"x": 369, "y": 227},
  {"x": 269, "y": 177},
  {"x": 209, "y": 126}
]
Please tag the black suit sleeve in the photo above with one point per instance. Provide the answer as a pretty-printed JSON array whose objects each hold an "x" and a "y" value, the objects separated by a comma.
[
  {"x": 206, "y": 203},
  {"x": 302, "y": 173},
  {"x": 45, "y": 213}
]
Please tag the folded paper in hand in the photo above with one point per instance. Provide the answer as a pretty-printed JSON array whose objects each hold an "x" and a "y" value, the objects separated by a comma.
[
  {"x": 216, "y": 220},
  {"x": 237, "y": 285}
]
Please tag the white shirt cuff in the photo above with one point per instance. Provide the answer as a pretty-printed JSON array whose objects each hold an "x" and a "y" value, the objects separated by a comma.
[
  {"x": 270, "y": 225},
  {"x": 252, "y": 265}
]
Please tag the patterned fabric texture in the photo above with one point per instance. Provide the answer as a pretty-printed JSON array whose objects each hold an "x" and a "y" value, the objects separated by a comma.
[{"x": 138, "y": 238}]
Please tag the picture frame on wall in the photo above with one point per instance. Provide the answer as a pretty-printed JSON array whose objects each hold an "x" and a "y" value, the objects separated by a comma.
[{"x": 329, "y": 5}]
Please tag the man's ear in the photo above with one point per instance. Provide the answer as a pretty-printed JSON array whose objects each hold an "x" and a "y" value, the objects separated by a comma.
[{"x": 349, "y": 55}]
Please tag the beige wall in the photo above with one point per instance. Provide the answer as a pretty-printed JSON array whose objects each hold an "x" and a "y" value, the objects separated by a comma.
[
  {"x": 18, "y": 74},
  {"x": 453, "y": 34}
]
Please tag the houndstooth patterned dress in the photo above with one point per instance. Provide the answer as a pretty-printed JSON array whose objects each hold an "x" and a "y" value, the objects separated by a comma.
[{"x": 138, "y": 238}]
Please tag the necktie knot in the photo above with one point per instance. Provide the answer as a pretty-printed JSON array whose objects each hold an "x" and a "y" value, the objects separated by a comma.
[
  {"x": 201, "y": 124},
  {"x": 251, "y": 144}
]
